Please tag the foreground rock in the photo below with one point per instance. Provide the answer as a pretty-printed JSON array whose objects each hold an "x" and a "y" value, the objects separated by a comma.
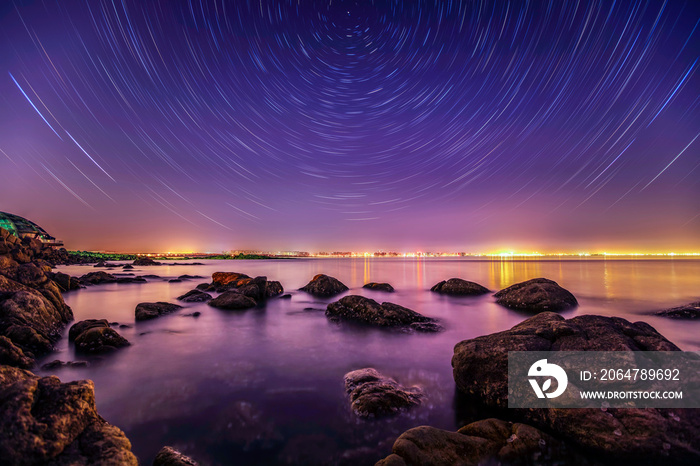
[
  {"x": 146, "y": 311},
  {"x": 480, "y": 369},
  {"x": 379, "y": 287},
  {"x": 13, "y": 355},
  {"x": 372, "y": 394},
  {"x": 536, "y": 295},
  {"x": 65, "y": 282},
  {"x": 689, "y": 311},
  {"x": 324, "y": 286},
  {"x": 368, "y": 311},
  {"x": 168, "y": 456},
  {"x": 44, "y": 421},
  {"x": 232, "y": 300},
  {"x": 459, "y": 287},
  {"x": 490, "y": 441},
  {"x": 95, "y": 336},
  {"x": 194, "y": 296}
]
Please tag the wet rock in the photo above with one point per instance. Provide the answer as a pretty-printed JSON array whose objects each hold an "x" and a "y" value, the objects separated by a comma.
[
  {"x": 12, "y": 355},
  {"x": 95, "y": 336},
  {"x": 193, "y": 314},
  {"x": 365, "y": 310},
  {"x": 491, "y": 441},
  {"x": 65, "y": 282},
  {"x": 689, "y": 311},
  {"x": 168, "y": 456},
  {"x": 174, "y": 280},
  {"x": 44, "y": 421},
  {"x": 79, "y": 327},
  {"x": 459, "y": 287},
  {"x": 128, "y": 267},
  {"x": 286, "y": 296},
  {"x": 205, "y": 287},
  {"x": 480, "y": 369},
  {"x": 222, "y": 279},
  {"x": 189, "y": 277},
  {"x": 379, "y": 287},
  {"x": 194, "y": 296},
  {"x": 144, "y": 261},
  {"x": 97, "y": 278},
  {"x": 536, "y": 295},
  {"x": 274, "y": 288},
  {"x": 131, "y": 280},
  {"x": 151, "y": 276},
  {"x": 255, "y": 288},
  {"x": 55, "y": 364},
  {"x": 146, "y": 311},
  {"x": 232, "y": 300},
  {"x": 324, "y": 286},
  {"x": 373, "y": 394}
]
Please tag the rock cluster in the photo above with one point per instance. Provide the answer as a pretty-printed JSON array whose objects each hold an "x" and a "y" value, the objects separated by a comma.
[
  {"x": 536, "y": 295},
  {"x": 241, "y": 291},
  {"x": 144, "y": 261},
  {"x": 459, "y": 287},
  {"x": 95, "y": 336},
  {"x": 689, "y": 311},
  {"x": 324, "y": 286},
  {"x": 373, "y": 394},
  {"x": 368, "y": 311}
]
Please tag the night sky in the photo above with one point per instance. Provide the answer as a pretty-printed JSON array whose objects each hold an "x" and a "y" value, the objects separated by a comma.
[{"x": 353, "y": 125}]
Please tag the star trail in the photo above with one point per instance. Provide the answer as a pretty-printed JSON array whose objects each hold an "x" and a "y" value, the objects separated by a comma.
[{"x": 308, "y": 125}]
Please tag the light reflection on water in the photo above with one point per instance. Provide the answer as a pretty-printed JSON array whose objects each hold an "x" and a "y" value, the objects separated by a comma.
[{"x": 191, "y": 382}]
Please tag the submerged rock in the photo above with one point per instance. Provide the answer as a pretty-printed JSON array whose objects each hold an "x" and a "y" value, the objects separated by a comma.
[
  {"x": 95, "y": 336},
  {"x": 379, "y": 287},
  {"x": 490, "y": 441},
  {"x": 365, "y": 310},
  {"x": 97, "y": 278},
  {"x": 480, "y": 369},
  {"x": 536, "y": 295},
  {"x": 44, "y": 421},
  {"x": 232, "y": 300},
  {"x": 146, "y": 311},
  {"x": 689, "y": 311},
  {"x": 194, "y": 296},
  {"x": 372, "y": 394},
  {"x": 168, "y": 456},
  {"x": 324, "y": 286},
  {"x": 459, "y": 287},
  {"x": 131, "y": 280}
]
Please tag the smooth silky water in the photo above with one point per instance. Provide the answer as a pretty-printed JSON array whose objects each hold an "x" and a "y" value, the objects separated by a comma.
[{"x": 266, "y": 385}]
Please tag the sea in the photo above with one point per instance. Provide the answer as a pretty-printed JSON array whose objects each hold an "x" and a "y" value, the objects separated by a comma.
[{"x": 265, "y": 385}]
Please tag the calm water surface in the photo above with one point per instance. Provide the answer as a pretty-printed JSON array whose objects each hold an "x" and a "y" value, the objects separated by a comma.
[{"x": 266, "y": 385}]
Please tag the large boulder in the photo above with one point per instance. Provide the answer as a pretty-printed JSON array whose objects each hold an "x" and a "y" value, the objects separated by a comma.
[
  {"x": 373, "y": 394},
  {"x": 490, "y": 441},
  {"x": 459, "y": 287},
  {"x": 379, "y": 287},
  {"x": 223, "y": 279},
  {"x": 146, "y": 311},
  {"x": 12, "y": 355},
  {"x": 324, "y": 286},
  {"x": 44, "y": 421},
  {"x": 689, "y": 311},
  {"x": 65, "y": 282},
  {"x": 168, "y": 456},
  {"x": 274, "y": 288},
  {"x": 480, "y": 369},
  {"x": 255, "y": 288},
  {"x": 368, "y": 311},
  {"x": 194, "y": 296},
  {"x": 95, "y": 336},
  {"x": 97, "y": 278},
  {"x": 232, "y": 300},
  {"x": 536, "y": 295}
]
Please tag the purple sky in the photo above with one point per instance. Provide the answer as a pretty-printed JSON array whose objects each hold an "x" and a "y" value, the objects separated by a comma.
[{"x": 343, "y": 125}]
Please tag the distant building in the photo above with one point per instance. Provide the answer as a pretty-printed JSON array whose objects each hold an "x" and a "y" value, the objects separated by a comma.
[{"x": 23, "y": 228}]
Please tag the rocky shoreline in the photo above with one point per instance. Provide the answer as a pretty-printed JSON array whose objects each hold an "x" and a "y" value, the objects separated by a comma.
[{"x": 45, "y": 421}]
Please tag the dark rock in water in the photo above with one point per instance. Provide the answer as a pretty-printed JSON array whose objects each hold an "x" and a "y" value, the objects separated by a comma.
[
  {"x": 131, "y": 280},
  {"x": 491, "y": 441},
  {"x": 78, "y": 363},
  {"x": 459, "y": 287},
  {"x": 55, "y": 364},
  {"x": 274, "y": 288},
  {"x": 146, "y": 311},
  {"x": 150, "y": 276},
  {"x": 189, "y": 277},
  {"x": 361, "y": 309},
  {"x": 97, "y": 278},
  {"x": 95, "y": 336},
  {"x": 12, "y": 355},
  {"x": 194, "y": 314},
  {"x": 221, "y": 279},
  {"x": 65, "y": 282},
  {"x": 255, "y": 288},
  {"x": 324, "y": 286},
  {"x": 205, "y": 287},
  {"x": 44, "y": 421},
  {"x": 286, "y": 296},
  {"x": 31, "y": 341},
  {"x": 100, "y": 264},
  {"x": 373, "y": 394},
  {"x": 689, "y": 311},
  {"x": 168, "y": 456},
  {"x": 379, "y": 287},
  {"x": 144, "y": 261},
  {"x": 124, "y": 326},
  {"x": 174, "y": 280},
  {"x": 536, "y": 295},
  {"x": 194, "y": 296},
  {"x": 480, "y": 369},
  {"x": 232, "y": 300},
  {"x": 110, "y": 265},
  {"x": 128, "y": 267}
]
